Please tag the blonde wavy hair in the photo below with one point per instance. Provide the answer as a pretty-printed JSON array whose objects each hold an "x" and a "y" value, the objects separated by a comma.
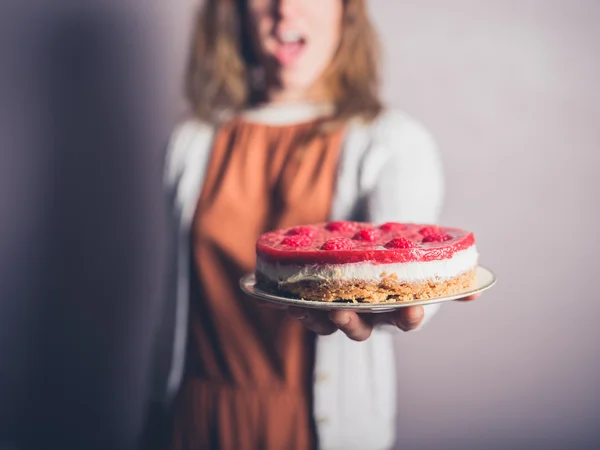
[{"x": 221, "y": 62}]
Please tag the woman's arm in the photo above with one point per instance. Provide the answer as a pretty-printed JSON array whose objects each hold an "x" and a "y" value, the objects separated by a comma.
[
  {"x": 407, "y": 183},
  {"x": 404, "y": 176}
]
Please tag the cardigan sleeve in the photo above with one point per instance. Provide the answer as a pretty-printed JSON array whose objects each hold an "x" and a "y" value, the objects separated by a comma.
[
  {"x": 403, "y": 176},
  {"x": 180, "y": 142}
]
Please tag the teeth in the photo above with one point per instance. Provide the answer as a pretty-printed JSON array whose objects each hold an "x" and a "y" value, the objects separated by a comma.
[{"x": 290, "y": 36}]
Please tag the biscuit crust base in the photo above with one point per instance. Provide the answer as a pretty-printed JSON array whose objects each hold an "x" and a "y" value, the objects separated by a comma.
[{"x": 386, "y": 290}]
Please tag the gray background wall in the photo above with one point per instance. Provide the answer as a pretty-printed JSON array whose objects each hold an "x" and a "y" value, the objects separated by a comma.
[{"x": 507, "y": 87}]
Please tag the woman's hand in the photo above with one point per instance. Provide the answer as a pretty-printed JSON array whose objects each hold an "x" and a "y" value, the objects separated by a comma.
[{"x": 358, "y": 327}]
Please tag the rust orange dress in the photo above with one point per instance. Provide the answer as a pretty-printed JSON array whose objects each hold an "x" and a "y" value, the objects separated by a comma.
[{"x": 248, "y": 377}]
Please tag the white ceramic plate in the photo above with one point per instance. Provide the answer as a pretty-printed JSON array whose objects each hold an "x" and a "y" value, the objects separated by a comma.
[{"x": 485, "y": 280}]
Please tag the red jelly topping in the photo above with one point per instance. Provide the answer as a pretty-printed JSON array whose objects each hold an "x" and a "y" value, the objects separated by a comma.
[{"x": 350, "y": 242}]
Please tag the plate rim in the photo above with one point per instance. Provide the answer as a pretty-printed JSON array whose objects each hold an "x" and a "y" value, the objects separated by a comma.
[{"x": 248, "y": 286}]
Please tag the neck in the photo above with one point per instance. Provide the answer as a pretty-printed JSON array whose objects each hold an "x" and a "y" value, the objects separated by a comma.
[
  {"x": 287, "y": 96},
  {"x": 314, "y": 94}
]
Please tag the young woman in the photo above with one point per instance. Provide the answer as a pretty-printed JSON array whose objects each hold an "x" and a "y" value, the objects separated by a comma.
[{"x": 288, "y": 129}]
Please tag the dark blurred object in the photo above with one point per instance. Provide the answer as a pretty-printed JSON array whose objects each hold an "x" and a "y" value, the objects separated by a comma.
[{"x": 81, "y": 235}]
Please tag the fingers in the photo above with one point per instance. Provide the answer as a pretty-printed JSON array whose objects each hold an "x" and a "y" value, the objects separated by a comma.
[
  {"x": 324, "y": 323},
  {"x": 351, "y": 324},
  {"x": 408, "y": 318},
  {"x": 469, "y": 298},
  {"x": 316, "y": 321}
]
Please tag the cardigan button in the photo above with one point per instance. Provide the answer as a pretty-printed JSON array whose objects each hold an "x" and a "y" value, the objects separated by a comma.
[
  {"x": 322, "y": 420},
  {"x": 321, "y": 377}
]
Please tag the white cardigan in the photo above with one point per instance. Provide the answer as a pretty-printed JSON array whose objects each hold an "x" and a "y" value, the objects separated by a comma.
[{"x": 389, "y": 171}]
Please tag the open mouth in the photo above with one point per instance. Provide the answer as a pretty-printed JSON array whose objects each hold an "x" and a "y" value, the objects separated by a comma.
[{"x": 290, "y": 44}]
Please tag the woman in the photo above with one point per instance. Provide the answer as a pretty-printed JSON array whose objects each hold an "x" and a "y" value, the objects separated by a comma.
[{"x": 288, "y": 130}]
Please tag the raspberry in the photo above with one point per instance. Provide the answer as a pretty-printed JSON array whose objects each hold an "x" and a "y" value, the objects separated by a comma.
[
  {"x": 440, "y": 237},
  {"x": 342, "y": 227},
  {"x": 430, "y": 230},
  {"x": 368, "y": 234},
  {"x": 393, "y": 226},
  {"x": 302, "y": 231},
  {"x": 340, "y": 243},
  {"x": 400, "y": 242},
  {"x": 296, "y": 241}
]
